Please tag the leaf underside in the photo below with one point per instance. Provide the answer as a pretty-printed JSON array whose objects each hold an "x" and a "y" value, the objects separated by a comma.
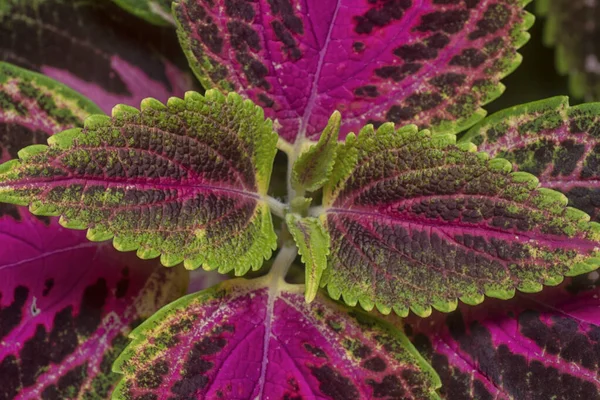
[
  {"x": 572, "y": 27},
  {"x": 239, "y": 340},
  {"x": 416, "y": 221},
  {"x": 184, "y": 181},
  {"x": 557, "y": 143},
  {"x": 527, "y": 349},
  {"x": 95, "y": 48},
  {"x": 431, "y": 63}
]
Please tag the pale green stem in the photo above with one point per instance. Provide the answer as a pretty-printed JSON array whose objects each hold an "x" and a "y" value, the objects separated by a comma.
[
  {"x": 277, "y": 207},
  {"x": 283, "y": 262}
]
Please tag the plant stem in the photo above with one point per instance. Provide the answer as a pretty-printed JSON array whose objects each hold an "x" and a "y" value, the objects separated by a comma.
[
  {"x": 277, "y": 207},
  {"x": 283, "y": 262}
]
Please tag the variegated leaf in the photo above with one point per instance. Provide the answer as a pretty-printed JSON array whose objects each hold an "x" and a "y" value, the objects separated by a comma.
[
  {"x": 557, "y": 143},
  {"x": 416, "y": 221},
  {"x": 536, "y": 347},
  {"x": 95, "y": 48},
  {"x": 259, "y": 339},
  {"x": 432, "y": 63},
  {"x": 66, "y": 308},
  {"x": 185, "y": 180}
]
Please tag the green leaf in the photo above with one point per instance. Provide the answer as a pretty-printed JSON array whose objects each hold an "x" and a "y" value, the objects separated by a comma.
[
  {"x": 186, "y": 181},
  {"x": 416, "y": 221},
  {"x": 313, "y": 244},
  {"x": 259, "y": 339},
  {"x": 156, "y": 12},
  {"x": 314, "y": 166}
]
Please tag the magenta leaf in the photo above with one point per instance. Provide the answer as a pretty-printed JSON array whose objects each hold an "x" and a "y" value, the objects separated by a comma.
[
  {"x": 186, "y": 181},
  {"x": 557, "y": 143},
  {"x": 95, "y": 48},
  {"x": 259, "y": 339},
  {"x": 530, "y": 348},
  {"x": 66, "y": 308},
  {"x": 416, "y": 221},
  {"x": 432, "y": 63}
]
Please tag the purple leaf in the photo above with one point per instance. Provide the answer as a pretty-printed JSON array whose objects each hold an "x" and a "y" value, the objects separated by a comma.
[
  {"x": 557, "y": 143},
  {"x": 185, "y": 181},
  {"x": 259, "y": 339},
  {"x": 94, "y": 47},
  {"x": 416, "y": 221},
  {"x": 530, "y": 348},
  {"x": 432, "y": 63},
  {"x": 66, "y": 307}
]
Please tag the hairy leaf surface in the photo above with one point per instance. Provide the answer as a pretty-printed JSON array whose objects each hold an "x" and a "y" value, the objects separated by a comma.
[
  {"x": 572, "y": 27},
  {"x": 66, "y": 308},
  {"x": 432, "y": 63},
  {"x": 557, "y": 143},
  {"x": 95, "y": 48},
  {"x": 243, "y": 340},
  {"x": 184, "y": 180},
  {"x": 417, "y": 222},
  {"x": 532, "y": 348},
  {"x": 154, "y": 11}
]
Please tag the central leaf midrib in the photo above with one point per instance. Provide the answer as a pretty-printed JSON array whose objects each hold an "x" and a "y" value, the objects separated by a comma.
[
  {"x": 524, "y": 237},
  {"x": 134, "y": 185}
]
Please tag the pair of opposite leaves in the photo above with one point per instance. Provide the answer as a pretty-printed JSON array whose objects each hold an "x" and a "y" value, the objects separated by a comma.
[{"x": 410, "y": 219}]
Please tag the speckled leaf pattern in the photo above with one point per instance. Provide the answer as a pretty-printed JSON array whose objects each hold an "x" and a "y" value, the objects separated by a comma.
[
  {"x": 532, "y": 348},
  {"x": 243, "y": 340},
  {"x": 313, "y": 243},
  {"x": 94, "y": 47},
  {"x": 32, "y": 107},
  {"x": 154, "y": 11},
  {"x": 572, "y": 27},
  {"x": 62, "y": 325},
  {"x": 432, "y": 63},
  {"x": 557, "y": 143},
  {"x": 184, "y": 181},
  {"x": 416, "y": 221}
]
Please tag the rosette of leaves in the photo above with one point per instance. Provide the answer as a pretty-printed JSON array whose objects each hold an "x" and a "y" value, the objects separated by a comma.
[{"x": 385, "y": 207}]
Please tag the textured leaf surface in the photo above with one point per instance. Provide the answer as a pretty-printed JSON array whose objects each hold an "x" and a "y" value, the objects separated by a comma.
[
  {"x": 433, "y": 63},
  {"x": 154, "y": 11},
  {"x": 417, "y": 222},
  {"x": 557, "y": 143},
  {"x": 66, "y": 308},
  {"x": 313, "y": 244},
  {"x": 66, "y": 305},
  {"x": 183, "y": 180},
  {"x": 95, "y": 48},
  {"x": 241, "y": 340},
  {"x": 528, "y": 349},
  {"x": 572, "y": 26},
  {"x": 314, "y": 166},
  {"x": 32, "y": 107}
]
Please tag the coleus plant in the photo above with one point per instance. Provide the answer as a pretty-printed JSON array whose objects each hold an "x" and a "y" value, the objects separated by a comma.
[{"x": 390, "y": 207}]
